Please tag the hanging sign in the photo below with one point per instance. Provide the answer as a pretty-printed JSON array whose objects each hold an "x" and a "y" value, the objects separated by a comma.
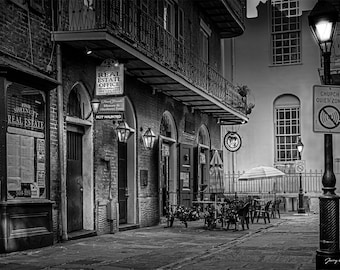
[
  {"x": 110, "y": 78},
  {"x": 111, "y": 109},
  {"x": 232, "y": 141}
]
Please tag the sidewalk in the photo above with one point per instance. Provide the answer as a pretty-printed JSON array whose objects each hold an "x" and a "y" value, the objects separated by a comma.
[{"x": 286, "y": 243}]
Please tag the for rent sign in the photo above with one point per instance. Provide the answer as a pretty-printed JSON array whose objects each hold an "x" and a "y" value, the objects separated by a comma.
[
  {"x": 110, "y": 78},
  {"x": 326, "y": 109}
]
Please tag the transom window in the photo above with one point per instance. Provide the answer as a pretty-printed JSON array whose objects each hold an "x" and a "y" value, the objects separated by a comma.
[
  {"x": 285, "y": 29},
  {"x": 287, "y": 128}
]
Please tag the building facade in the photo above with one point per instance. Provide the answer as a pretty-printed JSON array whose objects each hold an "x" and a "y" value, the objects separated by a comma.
[
  {"x": 280, "y": 62},
  {"x": 155, "y": 67}
]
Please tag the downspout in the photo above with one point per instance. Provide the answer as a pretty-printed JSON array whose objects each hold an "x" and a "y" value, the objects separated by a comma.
[{"x": 61, "y": 145}]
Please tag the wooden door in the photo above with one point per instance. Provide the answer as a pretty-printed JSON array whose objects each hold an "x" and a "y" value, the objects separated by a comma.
[
  {"x": 122, "y": 182},
  {"x": 164, "y": 177},
  {"x": 74, "y": 181},
  {"x": 186, "y": 175}
]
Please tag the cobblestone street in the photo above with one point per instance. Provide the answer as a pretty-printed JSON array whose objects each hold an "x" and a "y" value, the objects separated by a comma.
[{"x": 286, "y": 243}]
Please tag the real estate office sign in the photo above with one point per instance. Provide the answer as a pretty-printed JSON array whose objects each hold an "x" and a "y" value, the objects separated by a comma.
[
  {"x": 326, "y": 108},
  {"x": 110, "y": 78}
]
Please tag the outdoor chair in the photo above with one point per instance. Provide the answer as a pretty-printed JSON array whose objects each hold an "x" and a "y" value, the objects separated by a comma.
[
  {"x": 263, "y": 212},
  {"x": 275, "y": 209},
  {"x": 252, "y": 209},
  {"x": 243, "y": 214}
]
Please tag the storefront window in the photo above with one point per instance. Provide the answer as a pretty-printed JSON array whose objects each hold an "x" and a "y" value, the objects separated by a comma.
[{"x": 26, "y": 147}]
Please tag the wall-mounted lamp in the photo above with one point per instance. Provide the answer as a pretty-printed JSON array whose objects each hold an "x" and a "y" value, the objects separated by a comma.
[
  {"x": 149, "y": 138},
  {"x": 123, "y": 132},
  {"x": 95, "y": 103}
]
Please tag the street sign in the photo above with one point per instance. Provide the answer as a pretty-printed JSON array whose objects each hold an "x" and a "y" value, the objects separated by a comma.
[
  {"x": 300, "y": 166},
  {"x": 326, "y": 108},
  {"x": 117, "y": 116}
]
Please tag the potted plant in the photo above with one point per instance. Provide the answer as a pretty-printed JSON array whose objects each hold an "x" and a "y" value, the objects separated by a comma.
[{"x": 243, "y": 90}]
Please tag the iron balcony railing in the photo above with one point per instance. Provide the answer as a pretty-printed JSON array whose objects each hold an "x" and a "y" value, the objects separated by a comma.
[
  {"x": 238, "y": 6},
  {"x": 149, "y": 35}
]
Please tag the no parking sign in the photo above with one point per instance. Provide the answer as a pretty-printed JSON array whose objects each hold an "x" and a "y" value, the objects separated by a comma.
[
  {"x": 326, "y": 107},
  {"x": 300, "y": 166}
]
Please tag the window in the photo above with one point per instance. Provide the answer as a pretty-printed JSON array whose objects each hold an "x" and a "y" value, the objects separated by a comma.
[
  {"x": 287, "y": 128},
  {"x": 285, "y": 32},
  {"x": 26, "y": 147},
  {"x": 169, "y": 16},
  {"x": 204, "y": 34},
  {"x": 73, "y": 106}
]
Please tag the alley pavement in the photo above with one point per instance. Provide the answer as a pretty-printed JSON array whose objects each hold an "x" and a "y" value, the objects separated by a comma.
[{"x": 289, "y": 242}]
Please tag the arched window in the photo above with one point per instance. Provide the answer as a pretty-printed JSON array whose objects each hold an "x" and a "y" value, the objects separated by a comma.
[
  {"x": 166, "y": 126},
  {"x": 73, "y": 106},
  {"x": 287, "y": 128}
]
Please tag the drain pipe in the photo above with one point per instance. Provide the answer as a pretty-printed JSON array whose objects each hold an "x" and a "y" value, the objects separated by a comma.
[{"x": 61, "y": 145}]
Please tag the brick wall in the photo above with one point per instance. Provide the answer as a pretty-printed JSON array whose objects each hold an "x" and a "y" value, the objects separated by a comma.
[
  {"x": 25, "y": 39},
  {"x": 25, "y": 35}
]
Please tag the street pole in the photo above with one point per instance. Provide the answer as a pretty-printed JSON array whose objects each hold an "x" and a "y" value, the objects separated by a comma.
[
  {"x": 322, "y": 20},
  {"x": 328, "y": 255},
  {"x": 301, "y": 209}
]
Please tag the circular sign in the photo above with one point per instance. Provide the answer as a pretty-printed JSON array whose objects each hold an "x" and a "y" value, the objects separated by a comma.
[
  {"x": 329, "y": 117},
  {"x": 232, "y": 141}
]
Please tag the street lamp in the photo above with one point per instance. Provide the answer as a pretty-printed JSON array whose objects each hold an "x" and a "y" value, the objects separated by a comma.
[
  {"x": 322, "y": 21},
  {"x": 301, "y": 209}
]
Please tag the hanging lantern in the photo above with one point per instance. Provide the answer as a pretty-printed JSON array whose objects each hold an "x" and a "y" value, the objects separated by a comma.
[
  {"x": 123, "y": 132},
  {"x": 149, "y": 138}
]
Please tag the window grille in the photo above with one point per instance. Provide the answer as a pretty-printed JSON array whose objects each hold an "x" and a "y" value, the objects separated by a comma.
[
  {"x": 287, "y": 131},
  {"x": 285, "y": 32}
]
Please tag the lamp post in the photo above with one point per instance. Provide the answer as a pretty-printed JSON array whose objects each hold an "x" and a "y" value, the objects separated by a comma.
[
  {"x": 322, "y": 21},
  {"x": 301, "y": 209}
]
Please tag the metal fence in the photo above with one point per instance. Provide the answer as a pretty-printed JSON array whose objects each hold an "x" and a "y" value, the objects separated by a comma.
[{"x": 290, "y": 183}]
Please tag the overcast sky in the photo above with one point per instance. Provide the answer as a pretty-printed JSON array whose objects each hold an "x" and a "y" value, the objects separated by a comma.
[{"x": 252, "y": 12}]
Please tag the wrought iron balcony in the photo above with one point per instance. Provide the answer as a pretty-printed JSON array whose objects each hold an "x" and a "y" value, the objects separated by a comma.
[{"x": 128, "y": 23}]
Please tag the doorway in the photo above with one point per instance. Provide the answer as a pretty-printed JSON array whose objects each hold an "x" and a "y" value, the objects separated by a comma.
[
  {"x": 122, "y": 182},
  {"x": 168, "y": 184},
  {"x": 74, "y": 179},
  {"x": 164, "y": 183},
  {"x": 186, "y": 175}
]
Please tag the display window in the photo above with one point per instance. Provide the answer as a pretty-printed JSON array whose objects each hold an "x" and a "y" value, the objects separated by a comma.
[{"x": 26, "y": 142}]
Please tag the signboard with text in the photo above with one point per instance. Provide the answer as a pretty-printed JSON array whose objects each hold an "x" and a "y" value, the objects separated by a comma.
[
  {"x": 110, "y": 78},
  {"x": 111, "y": 108},
  {"x": 326, "y": 108}
]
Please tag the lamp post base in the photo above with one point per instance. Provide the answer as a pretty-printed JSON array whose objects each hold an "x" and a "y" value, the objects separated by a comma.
[
  {"x": 328, "y": 255},
  {"x": 327, "y": 260},
  {"x": 301, "y": 209}
]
